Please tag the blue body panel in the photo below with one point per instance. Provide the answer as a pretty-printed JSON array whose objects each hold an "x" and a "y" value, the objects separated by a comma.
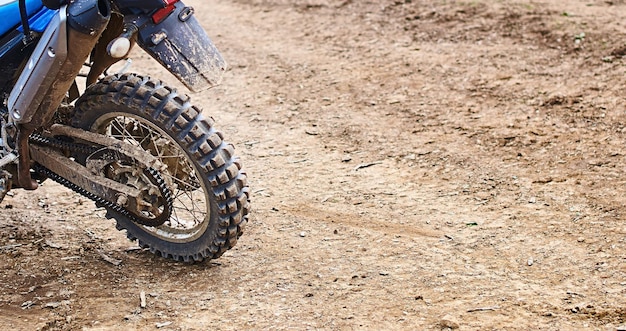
[
  {"x": 10, "y": 14},
  {"x": 39, "y": 22}
]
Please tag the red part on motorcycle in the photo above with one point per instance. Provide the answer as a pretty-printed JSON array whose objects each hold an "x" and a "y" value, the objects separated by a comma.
[
  {"x": 182, "y": 46},
  {"x": 163, "y": 13}
]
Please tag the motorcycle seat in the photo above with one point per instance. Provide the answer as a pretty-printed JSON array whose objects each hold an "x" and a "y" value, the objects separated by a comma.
[{"x": 10, "y": 13}]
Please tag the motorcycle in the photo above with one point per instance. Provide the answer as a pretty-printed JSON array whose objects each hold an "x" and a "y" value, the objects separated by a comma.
[{"x": 130, "y": 143}]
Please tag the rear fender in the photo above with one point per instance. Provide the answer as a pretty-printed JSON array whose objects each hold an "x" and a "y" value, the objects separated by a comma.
[{"x": 182, "y": 46}]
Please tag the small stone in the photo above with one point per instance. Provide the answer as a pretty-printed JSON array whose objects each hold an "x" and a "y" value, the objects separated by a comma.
[
  {"x": 448, "y": 322},
  {"x": 302, "y": 234},
  {"x": 52, "y": 244},
  {"x": 52, "y": 305},
  {"x": 27, "y": 304},
  {"x": 530, "y": 262},
  {"x": 162, "y": 325},
  {"x": 142, "y": 299}
]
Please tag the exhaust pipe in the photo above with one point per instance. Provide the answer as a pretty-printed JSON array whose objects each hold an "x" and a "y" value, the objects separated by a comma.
[{"x": 51, "y": 69}]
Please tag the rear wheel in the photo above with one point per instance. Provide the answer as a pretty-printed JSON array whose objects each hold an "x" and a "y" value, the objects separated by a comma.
[{"x": 209, "y": 188}]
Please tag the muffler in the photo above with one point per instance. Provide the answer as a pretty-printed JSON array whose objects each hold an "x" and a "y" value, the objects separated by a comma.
[{"x": 50, "y": 71}]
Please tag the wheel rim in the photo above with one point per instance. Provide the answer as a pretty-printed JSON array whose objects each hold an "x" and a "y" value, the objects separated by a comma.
[{"x": 191, "y": 205}]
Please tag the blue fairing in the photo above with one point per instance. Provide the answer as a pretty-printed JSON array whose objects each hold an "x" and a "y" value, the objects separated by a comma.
[
  {"x": 10, "y": 13},
  {"x": 39, "y": 21}
]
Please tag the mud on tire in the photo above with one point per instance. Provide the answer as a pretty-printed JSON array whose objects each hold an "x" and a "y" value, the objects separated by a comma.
[{"x": 211, "y": 181}]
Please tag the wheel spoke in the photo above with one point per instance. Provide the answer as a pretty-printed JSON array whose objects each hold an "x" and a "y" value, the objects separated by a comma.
[
  {"x": 190, "y": 210},
  {"x": 145, "y": 138},
  {"x": 193, "y": 209},
  {"x": 121, "y": 127},
  {"x": 190, "y": 204}
]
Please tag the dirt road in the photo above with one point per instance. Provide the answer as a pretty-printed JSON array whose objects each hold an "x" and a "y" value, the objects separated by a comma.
[{"x": 413, "y": 165}]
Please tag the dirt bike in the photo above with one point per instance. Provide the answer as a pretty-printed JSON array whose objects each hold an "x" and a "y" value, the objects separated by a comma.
[{"x": 131, "y": 144}]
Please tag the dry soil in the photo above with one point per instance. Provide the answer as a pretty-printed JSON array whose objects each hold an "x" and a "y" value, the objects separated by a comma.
[{"x": 413, "y": 165}]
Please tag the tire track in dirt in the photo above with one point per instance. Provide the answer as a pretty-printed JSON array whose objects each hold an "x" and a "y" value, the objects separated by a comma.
[{"x": 388, "y": 227}]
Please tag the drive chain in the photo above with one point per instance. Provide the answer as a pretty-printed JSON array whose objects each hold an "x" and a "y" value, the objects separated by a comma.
[{"x": 81, "y": 148}]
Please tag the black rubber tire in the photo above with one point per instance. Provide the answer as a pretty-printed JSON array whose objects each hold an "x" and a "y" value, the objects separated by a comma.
[{"x": 213, "y": 160}]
